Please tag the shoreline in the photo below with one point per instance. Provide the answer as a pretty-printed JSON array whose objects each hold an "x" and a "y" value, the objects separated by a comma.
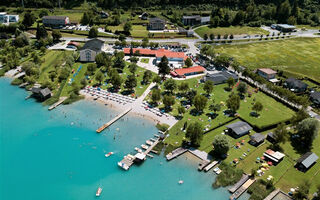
[{"x": 137, "y": 110}]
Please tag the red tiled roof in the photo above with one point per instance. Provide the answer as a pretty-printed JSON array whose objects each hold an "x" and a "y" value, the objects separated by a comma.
[
  {"x": 156, "y": 53},
  {"x": 267, "y": 70},
  {"x": 183, "y": 71}
]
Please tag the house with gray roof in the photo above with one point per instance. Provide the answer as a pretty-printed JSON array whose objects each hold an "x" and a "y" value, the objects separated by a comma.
[
  {"x": 156, "y": 24},
  {"x": 238, "y": 129},
  {"x": 41, "y": 94},
  {"x": 55, "y": 21},
  {"x": 256, "y": 139},
  {"x": 220, "y": 77},
  {"x": 306, "y": 161},
  {"x": 315, "y": 98},
  {"x": 295, "y": 85},
  {"x": 90, "y": 49}
]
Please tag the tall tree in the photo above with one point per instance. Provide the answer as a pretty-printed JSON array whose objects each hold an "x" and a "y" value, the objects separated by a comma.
[
  {"x": 257, "y": 107},
  {"x": 200, "y": 102},
  {"x": 195, "y": 133},
  {"x": 131, "y": 82},
  {"x": 308, "y": 129},
  {"x": 221, "y": 145},
  {"x": 233, "y": 103},
  {"x": 99, "y": 77},
  {"x": 56, "y": 35},
  {"x": 168, "y": 101},
  {"x": 170, "y": 85},
  {"x": 41, "y": 32},
  {"x": 208, "y": 86},
  {"x": 147, "y": 75},
  {"x": 127, "y": 27},
  {"x": 156, "y": 95},
  {"x": 280, "y": 133},
  {"x": 163, "y": 66},
  {"x": 93, "y": 33},
  {"x": 28, "y": 19},
  {"x": 188, "y": 62}
]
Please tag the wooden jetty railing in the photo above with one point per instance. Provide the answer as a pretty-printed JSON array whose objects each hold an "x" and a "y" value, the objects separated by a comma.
[
  {"x": 106, "y": 125},
  {"x": 61, "y": 100}
]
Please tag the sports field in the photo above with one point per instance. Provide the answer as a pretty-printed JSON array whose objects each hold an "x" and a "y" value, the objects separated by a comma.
[{"x": 298, "y": 56}]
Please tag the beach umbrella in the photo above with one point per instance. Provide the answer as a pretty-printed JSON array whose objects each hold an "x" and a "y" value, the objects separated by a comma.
[
  {"x": 262, "y": 158},
  {"x": 270, "y": 163},
  {"x": 258, "y": 158},
  {"x": 235, "y": 160}
]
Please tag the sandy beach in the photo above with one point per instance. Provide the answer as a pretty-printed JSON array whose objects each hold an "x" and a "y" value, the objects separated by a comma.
[{"x": 138, "y": 109}]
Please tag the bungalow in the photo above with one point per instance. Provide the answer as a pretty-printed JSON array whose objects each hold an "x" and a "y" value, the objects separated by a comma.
[
  {"x": 315, "y": 98},
  {"x": 267, "y": 73},
  {"x": 191, "y": 20},
  {"x": 238, "y": 129},
  {"x": 156, "y": 24},
  {"x": 306, "y": 161},
  {"x": 55, "y": 21},
  {"x": 183, "y": 72},
  {"x": 41, "y": 94},
  {"x": 7, "y": 18},
  {"x": 144, "y": 16},
  {"x": 104, "y": 14},
  {"x": 271, "y": 138},
  {"x": 295, "y": 85},
  {"x": 285, "y": 27},
  {"x": 90, "y": 49},
  {"x": 220, "y": 77},
  {"x": 195, "y": 20},
  {"x": 275, "y": 157},
  {"x": 256, "y": 139},
  {"x": 175, "y": 59}
]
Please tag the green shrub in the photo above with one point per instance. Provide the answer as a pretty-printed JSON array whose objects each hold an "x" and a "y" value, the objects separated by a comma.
[
  {"x": 17, "y": 81},
  {"x": 162, "y": 127},
  {"x": 229, "y": 175}
]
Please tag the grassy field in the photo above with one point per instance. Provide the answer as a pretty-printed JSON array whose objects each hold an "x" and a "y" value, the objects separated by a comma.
[
  {"x": 144, "y": 60},
  {"x": 267, "y": 116},
  {"x": 308, "y": 27},
  {"x": 235, "y": 30},
  {"x": 299, "y": 56}
]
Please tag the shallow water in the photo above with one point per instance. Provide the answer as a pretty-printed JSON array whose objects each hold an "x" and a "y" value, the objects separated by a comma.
[{"x": 57, "y": 155}]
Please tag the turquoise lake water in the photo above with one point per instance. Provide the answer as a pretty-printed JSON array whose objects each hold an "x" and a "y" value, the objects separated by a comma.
[{"x": 56, "y": 154}]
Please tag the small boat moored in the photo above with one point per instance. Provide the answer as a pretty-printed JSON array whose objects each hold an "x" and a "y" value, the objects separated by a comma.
[
  {"x": 99, "y": 190},
  {"x": 108, "y": 154}
]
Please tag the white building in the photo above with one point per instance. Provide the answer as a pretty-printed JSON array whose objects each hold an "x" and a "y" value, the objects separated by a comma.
[
  {"x": 8, "y": 18},
  {"x": 89, "y": 51}
]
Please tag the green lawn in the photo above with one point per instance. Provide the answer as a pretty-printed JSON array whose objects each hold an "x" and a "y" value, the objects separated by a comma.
[
  {"x": 50, "y": 59},
  {"x": 267, "y": 116},
  {"x": 139, "y": 76},
  {"x": 235, "y": 30},
  {"x": 308, "y": 27},
  {"x": 144, "y": 60},
  {"x": 139, "y": 31},
  {"x": 76, "y": 78},
  {"x": 292, "y": 177},
  {"x": 298, "y": 56}
]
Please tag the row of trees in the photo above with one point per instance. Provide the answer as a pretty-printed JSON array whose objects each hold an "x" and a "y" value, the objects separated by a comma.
[{"x": 218, "y": 37}]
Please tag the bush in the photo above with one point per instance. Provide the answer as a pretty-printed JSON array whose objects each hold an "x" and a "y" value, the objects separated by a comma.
[
  {"x": 162, "y": 127},
  {"x": 17, "y": 81},
  {"x": 229, "y": 175}
]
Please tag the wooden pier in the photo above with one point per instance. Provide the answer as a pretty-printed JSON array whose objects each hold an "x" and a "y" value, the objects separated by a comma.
[
  {"x": 211, "y": 165},
  {"x": 129, "y": 160},
  {"x": 113, "y": 120},
  {"x": 236, "y": 186},
  {"x": 175, "y": 153},
  {"x": 203, "y": 164},
  {"x": 242, "y": 189},
  {"x": 61, "y": 100}
]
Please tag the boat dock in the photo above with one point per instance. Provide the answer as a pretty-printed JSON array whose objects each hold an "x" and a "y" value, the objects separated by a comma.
[
  {"x": 129, "y": 160},
  {"x": 272, "y": 195},
  {"x": 175, "y": 153},
  {"x": 242, "y": 189},
  {"x": 236, "y": 186},
  {"x": 203, "y": 164},
  {"x": 211, "y": 165},
  {"x": 61, "y": 100},
  {"x": 113, "y": 120}
]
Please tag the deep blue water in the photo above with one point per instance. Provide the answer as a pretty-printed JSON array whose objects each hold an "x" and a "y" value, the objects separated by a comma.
[{"x": 56, "y": 154}]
